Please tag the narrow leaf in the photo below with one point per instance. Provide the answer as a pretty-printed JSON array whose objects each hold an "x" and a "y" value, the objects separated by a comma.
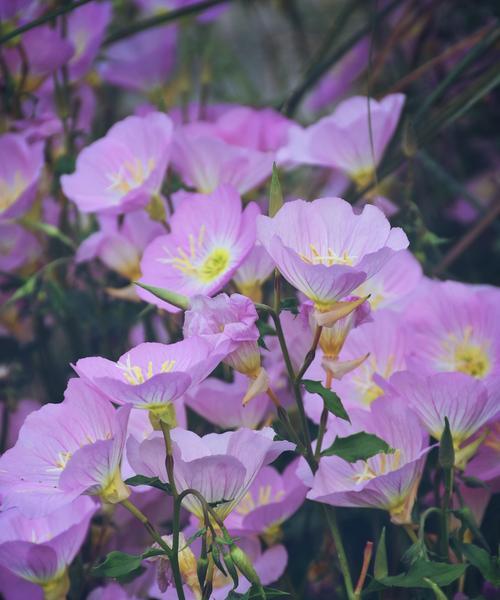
[
  {"x": 118, "y": 564},
  {"x": 442, "y": 574},
  {"x": 48, "y": 230},
  {"x": 359, "y": 446},
  {"x": 151, "y": 481},
  {"x": 488, "y": 565},
  {"x": 446, "y": 450},
  {"x": 275, "y": 194},
  {"x": 332, "y": 402},
  {"x": 177, "y": 300},
  {"x": 380, "y": 568}
]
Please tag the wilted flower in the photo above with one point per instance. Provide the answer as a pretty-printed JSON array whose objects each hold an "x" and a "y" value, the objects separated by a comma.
[
  {"x": 467, "y": 403},
  {"x": 20, "y": 169},
  {"x": 325, "y": 249},
  {"x": 253, "y": 272},
  {"x": 41, "y": 550},
  {"x": 221, "y": 467},
  {"x": 352, "y": 139},
  {"x": 385, "y": 481},
  {"x": 211, "y": 236},
  {"x": 456, "y": 328},
  {"x": 271, "y": 499},
  {"x": 152, "y": 375},
  {"x": 123, "y": 170},
  {"x": 66, "y": 450}
]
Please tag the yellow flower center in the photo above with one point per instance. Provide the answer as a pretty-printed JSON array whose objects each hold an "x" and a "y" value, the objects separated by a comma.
[
  {"x": 198, "y": 264},
  {"x": 265, "y": 496},
  {"x": 368, "y": 389},
  {"x": 11, "y": 190},
  {"x": 378, "y": 465},
  {"x": 463, "y": 353},
  {"x": 130, "y": 175},
  {"x": 328, "y": 259},
  {"x": 134, "y": 375}
]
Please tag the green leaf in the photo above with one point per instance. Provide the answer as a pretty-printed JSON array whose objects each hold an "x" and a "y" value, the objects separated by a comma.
[
  {"x": 466, "y": 516},
  {"x": 438, "y": 593},
  {"x": 117, "y": 565},
  {"x": 332, "y": 402},
  {"x": 441, "y": 574},
  {"x": 487, "y": 564},
  {"x": 178, "y": 300},
  {"x": 231, "y": 569},
  {"x": 290, "y": 304},
  {"x": 359, "y": 446},
  {"x": 151, "y": 481},
  {"x": 48, "y": 230},
  {"x": 252, "y": 594},
  {"x": 446, "y": 450},
  {"x": 275, "y": 194},
  {"x": 264, "y": 329},
  {"x": 415, "y": 553},
  {"x": 474, "y": 482},
  {"x": 380, "y": 568}
]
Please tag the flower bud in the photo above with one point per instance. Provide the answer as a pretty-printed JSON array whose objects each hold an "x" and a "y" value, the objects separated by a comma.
[{"x": 244, "y": 565}]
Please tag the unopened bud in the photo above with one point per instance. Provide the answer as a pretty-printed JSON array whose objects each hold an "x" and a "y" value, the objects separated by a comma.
[{"x": 245, "y": 567}]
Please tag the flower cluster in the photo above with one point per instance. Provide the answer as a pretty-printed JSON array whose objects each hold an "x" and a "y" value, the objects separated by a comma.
[{"x": 205, "y": 341}]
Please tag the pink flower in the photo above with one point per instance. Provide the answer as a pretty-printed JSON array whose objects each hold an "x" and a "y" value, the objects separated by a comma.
[
  {"x": 63, "y": 451},
  {"x": 220, "y": 403},
  {"x": 456, "y": 328},
  {"x": 229, "y": 318},
  {"x": 211, "y": 236},
  {"x": 205, "y": 161},
  {"x": 468, "y": 403},
  {"x": 120, "y": 245},
  {"x": 271, "y": 499},
  {"x": 123, "y": 170},
  {"x": 17, "y": 247},
  {"x": 221, "y": 467},
  {"x": 86, "y": 28},
  {"x": 151, "y": 376},
  {"x": 20, "y": 168},
  {"x": 326, "y": 250},
  {"x": 393, "y": 285},
  {"x": 343, "y": 141},
  {"x": 141, "y": 62},
  {"x": 385, "y": 481},
  {"x": 253, "y": 272},
  {"x": 41, "y": 550}
]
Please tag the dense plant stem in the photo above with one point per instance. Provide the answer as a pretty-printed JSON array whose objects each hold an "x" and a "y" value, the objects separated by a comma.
[
  {"x": 331, "y": 519},
  {"x": 323, "y": 419},
  {"x": 445, "y": 525},
  {"x": 169, "y": 459}
]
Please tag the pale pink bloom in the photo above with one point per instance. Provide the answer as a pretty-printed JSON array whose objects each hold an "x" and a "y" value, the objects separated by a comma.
[
  {"x": 343, "y": 141},
  {"x": 17, "y": 247},
  {"x": 13, "y": 587},
  {"x": 41, "y": 550},
  {"x": 231, "y": 320},
  {"x": 141, "y": 62},
  {"x": 455, "y": 328},
  {"x": 152, "y": 375},
  {"x": 326, "y": 250},
  {"x": 271, "y": 499},
  {"x": 119, "y": 245},
  {"x": 485, "y": 464},
  {"x": 385, "y": 481},
  {"x": 221, "y": 466},
  {"x": 20, "y": 169},
  {"x": 220, "y": 403},
  {"x": 86, "y": 28},
  {"x": 211, "y": 236},
  {"x": 123, "y": 170},
  {"x": 206, "y": 161},
  {"x": 253, "y": 272},
  {"x": 466, "y": 402},
  {"x": 63, "y": 451},
  {"x": 387, "y": 340},
  {"x": 393, "y": 285}
]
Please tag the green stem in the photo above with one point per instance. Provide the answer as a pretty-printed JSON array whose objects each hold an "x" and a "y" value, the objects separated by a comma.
[
  {"x": 321, "y": 432},
  {"x": 140, "y": 516},
  {"x": 445, "y": 524},
  {"x": 169, "y": 460},
  {"x": 331, "y": 518}
]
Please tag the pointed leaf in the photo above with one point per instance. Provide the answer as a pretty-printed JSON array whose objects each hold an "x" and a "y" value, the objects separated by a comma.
[
  {"x": 446, "y": 450},
  {"x": 118, "y": 564},
  {"x": 332, "y": 402},
  {"x": 151, "y": 481},
  {"x": 275, "y": 194},
  {"x": 359, "y": 446},
  {"x": 171, "y": 297},
  {"x": 488, "y": 565},
  {"x": 380, "y": 568}
]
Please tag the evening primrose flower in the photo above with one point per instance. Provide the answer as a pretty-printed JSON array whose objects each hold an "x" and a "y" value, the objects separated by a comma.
[
  {"x": 350, "y": 139},
  {"x": 66, "y": 450},
  {"x": 456, "y": 328},
  {"x": 385, "y": 481},
  {"x": 123, "y": 170},
  {"x": 253, "y": 272},
  {"x": 20, "y": 169},
  {"x": 152, "y": 376},
  {"x": 326, "y": 250},
  {"x": 41, "y": 550},
  {"x": 221, "y": 467},
  {"x": 466, "y": 402},
  {"x": 211, "y": 236}
]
